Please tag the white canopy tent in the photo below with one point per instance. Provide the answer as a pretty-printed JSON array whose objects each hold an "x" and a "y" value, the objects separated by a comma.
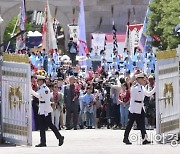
[{"x": 34, "y": 34}]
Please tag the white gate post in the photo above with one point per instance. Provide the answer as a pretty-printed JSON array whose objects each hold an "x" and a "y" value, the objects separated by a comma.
[
  {"x": 0, "y": 98},
  {"x": 157, "y": 99},
  {"x": 16, "y": 100},
  {"x": 167, "y": 94}
]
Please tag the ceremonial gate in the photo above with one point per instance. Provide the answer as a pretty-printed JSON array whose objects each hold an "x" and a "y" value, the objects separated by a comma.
[
  {"x": 16, "y": 119},
  {"x": 167, "y": 96}
]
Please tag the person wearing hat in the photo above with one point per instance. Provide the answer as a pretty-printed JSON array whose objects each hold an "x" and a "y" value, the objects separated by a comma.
[
  {"x": 136, "y": 109},
  {"x": 45, "y": 109}
]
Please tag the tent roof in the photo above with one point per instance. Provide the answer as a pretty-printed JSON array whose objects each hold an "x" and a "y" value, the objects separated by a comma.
[{"x": 34, "y": 34}]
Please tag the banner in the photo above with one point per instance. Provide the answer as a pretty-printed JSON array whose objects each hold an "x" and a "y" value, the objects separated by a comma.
[
  {"x": 98, "y": 42},
  {"x": 135, "y": 32},
  {"x": 49, "y": 41},
  {"x": 23, "y": 15},
  {"x": 20, "y": 44},
  {"x": 21, "y": 40},
  {"x": 74, "y": 32}
]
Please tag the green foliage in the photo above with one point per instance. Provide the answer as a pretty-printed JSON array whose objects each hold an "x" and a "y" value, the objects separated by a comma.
[
  {"x": 165, "y": 15},
  {"x": 9, "y": 29}
]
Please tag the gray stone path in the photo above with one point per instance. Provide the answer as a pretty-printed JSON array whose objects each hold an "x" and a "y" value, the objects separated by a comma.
[{"x": 103, "y": 141}]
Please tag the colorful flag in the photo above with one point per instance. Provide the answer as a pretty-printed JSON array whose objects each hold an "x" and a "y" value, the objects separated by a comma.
[
  {"x": 23, "y": 15},
  {"x": 44, "y": 30},
  {"x": 114, "y": 30},
  {"x": 144, "y": 39},
  {"x": 98, "y": 42},
  {"x": 133, "y": 35},
  {"x": 49, "y": 41},
  {"x": 74, "y": 32},
  {"x": 127, "y": 32},
  {"x": 82, "y": 44},
  {"x": 21, "y": 40}
]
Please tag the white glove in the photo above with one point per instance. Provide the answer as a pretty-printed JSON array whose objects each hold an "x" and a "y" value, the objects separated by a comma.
[{"x": 46, "y": 113}]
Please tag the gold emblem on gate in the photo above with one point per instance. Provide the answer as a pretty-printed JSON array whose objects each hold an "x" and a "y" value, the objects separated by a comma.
[
  {"x": 168, "y": 93},
  {"x": 15, "y": 97}
]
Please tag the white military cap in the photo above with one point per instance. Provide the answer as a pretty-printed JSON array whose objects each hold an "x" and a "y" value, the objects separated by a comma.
[
  {"x": 140, "y": 75},
  {"x": 40, "y": 77},
  {"x": 150, "y": 77}
]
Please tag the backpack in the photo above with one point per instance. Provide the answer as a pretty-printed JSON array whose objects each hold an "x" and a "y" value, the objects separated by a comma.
[{"x": 72, "y": 49}]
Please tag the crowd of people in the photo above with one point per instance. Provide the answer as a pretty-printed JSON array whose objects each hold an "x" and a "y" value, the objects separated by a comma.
[
  {"x": 87, "y": 97},
  {"x": 79, "y": 94}
]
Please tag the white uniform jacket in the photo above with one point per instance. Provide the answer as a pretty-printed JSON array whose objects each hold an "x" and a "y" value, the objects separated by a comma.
[
  {"x": 138, "y": 93},
  {"x": 44, "y": 95}
]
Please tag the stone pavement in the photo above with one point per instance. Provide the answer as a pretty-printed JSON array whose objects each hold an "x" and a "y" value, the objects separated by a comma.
[{"x": 102, "y": 141}]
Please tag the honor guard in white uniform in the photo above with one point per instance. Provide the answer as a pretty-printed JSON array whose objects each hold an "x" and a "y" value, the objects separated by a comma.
[
  {"x": 45, "y": 109},
  {"x": 136, "y": 109}
]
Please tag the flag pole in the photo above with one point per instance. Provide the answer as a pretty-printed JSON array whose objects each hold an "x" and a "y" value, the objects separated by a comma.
[{"x": 12, "y": 34}]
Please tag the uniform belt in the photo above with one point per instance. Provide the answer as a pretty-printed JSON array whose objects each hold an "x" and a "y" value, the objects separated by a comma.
[
  {"x": 138, "y": 101},
  {"x": 42, "y": 102}
]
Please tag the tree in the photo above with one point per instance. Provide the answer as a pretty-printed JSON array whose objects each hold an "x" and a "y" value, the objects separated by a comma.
[
  {"x": 11, "y": 25},
  {"x": 165, "y": 15},
  {"x": 9, "y": 29}
]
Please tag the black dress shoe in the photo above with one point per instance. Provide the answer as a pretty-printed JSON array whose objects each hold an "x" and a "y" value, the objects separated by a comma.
[
  {"x": 61, "y": 140},
  {"x": 40, "y": 145},
  {"x": 146, "y": 142},
  {"x": 126, "y": 141},
  {"x": 81, "y": 127},
  {"x": 68, "y": 128}
]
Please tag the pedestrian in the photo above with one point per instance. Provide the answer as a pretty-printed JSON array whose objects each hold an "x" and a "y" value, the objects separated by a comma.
[
  {"x": 45, "y": 109},
  {"x": 124, "y": 97},
  {"x": 88, "y": 101},
  {"x": 57, "y": 101},
  {"x": 136, "y": 109},
  {"x": 71, "y": 102},
  {"x": 72, "y": 48}
]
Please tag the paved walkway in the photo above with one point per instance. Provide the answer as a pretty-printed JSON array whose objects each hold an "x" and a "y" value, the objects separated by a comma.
[{"x": 103, "y": 141}]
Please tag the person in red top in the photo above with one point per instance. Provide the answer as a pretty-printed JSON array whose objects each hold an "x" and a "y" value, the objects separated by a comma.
[
  {"x": 124, "y": 99},
  {"x": 90, "y": 73}
]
